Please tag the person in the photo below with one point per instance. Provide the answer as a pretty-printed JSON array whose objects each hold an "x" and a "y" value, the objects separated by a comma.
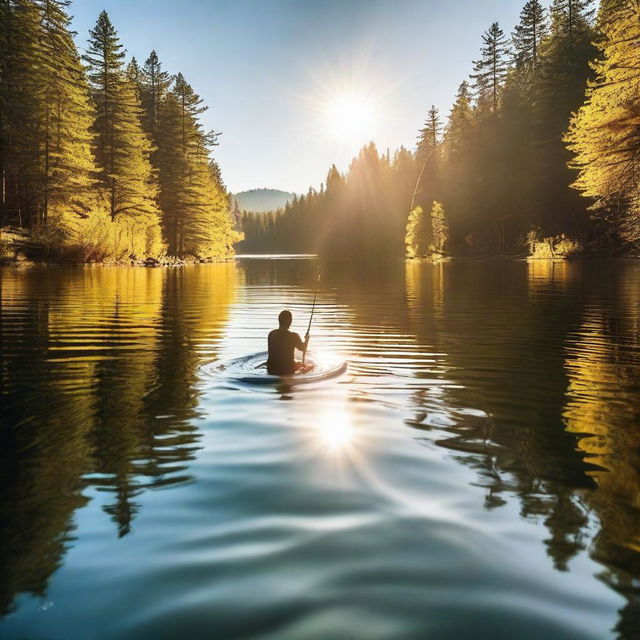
[{"x": 282, "y": 345}]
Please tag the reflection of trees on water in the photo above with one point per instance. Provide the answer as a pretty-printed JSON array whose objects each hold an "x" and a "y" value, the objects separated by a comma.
[
  {"x": 557, "y": 376},
  {"x": 603, "y": 411},
  {"x": 98, "y": 373},
  {"x": 41, "y": 459}
]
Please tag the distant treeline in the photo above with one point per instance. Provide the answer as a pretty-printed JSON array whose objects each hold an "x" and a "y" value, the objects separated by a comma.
[
  {"x": 549, "y": 115},
  {"x": 102, "y": 159}
]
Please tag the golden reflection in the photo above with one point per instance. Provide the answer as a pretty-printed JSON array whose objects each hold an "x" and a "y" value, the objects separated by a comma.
[
  {"x": 542, "y": 273},
  {"x": 600, "y": 410},
  {"x": 92, "y": 357},
  {"x": 425, "y": 288}
]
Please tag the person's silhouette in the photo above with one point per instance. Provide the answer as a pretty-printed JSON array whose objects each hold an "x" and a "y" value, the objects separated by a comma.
[{"x": 282, "y": 345}]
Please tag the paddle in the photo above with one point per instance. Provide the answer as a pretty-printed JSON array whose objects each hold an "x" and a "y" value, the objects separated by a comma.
[{"x": 313, "y": 308}]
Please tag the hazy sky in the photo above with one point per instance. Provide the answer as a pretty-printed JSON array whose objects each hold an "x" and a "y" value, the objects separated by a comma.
[{"x": 271, "y": 70}]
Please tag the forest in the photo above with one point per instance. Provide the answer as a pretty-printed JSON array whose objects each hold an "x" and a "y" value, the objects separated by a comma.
[
  {"x": 103, "y": 158},
  {"x": 540, "y": 153}
]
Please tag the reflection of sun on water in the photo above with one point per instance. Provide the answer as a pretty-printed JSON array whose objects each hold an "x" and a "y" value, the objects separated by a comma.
[{"x": 335, "y": 431}]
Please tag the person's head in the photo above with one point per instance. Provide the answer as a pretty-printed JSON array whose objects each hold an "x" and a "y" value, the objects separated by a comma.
[{"x": 285, "y": 318}]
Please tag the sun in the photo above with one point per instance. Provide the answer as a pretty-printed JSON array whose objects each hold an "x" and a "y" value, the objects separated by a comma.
[{"x": 349, "y": 115}]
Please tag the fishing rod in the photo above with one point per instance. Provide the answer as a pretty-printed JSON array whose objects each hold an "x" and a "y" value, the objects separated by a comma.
[{"x": 313, "y": 308}]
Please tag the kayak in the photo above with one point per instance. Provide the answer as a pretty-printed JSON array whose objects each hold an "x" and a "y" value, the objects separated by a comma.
[{"x": 252, "y": 369}]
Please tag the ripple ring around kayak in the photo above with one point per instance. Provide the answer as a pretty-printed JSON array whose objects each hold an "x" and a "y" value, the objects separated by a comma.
[{"x": 252, "y": 369}]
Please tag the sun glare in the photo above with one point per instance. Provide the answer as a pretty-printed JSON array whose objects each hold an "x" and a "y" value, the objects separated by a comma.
[
  {"x": 334, "y": 430},
  {"x": 350, "y": 115}
]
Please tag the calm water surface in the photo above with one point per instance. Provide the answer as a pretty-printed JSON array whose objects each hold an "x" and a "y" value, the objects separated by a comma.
[{"x": 475, "y": 474}]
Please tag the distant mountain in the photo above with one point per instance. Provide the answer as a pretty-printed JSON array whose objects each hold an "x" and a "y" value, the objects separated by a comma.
[{"x": 261, "y": 200}]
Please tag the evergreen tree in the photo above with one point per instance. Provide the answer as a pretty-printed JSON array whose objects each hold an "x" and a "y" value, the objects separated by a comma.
[
  {"x": 461, "y": 166},
  {"x": 604, "y": 134},
  {"x": 154, "y": 84},
  {"x": 194, "y": 204},
  {"x": 122, "y": 148},
  {"x": 7, "y": 37},
  {"x": 567, "y": 53},
  {"x": 607, "y": 10},
  {"x": 134, "y": 75},
  {"x": 22, "y": 110},
  {"x": 403, "y": 174},
  {"x": 517, "y": 195},
  {"x": 564, "y": 72},
  {"x": 427, "y": 155},
  {"x": 460, "y": 121},
  {"x": 528, "y": 35},
  {"x": 491, "y": 69},
  {"x": 69, "y": 168},
  {"x": 45, "y": 116},
  {"x": 429, "y": 135},
  {"x": 572, "y": 18},
  {"x": 216, "y": 172}
]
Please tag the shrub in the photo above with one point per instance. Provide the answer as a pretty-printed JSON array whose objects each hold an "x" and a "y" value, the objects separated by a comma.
[{"x": 552, "y": 247}]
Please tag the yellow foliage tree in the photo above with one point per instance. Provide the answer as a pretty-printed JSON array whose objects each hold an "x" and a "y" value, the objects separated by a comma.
[
  {"x": 605, "y": 133},
  {"x": 440, "y": 228},
  {"x": 416, "y": 239}
]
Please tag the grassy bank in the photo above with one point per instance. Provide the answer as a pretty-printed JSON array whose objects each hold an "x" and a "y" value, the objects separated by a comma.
[{"x": 20, "y": 247}]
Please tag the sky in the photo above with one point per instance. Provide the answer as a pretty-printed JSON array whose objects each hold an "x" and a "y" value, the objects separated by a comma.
[{"x": 297, "y": 85}]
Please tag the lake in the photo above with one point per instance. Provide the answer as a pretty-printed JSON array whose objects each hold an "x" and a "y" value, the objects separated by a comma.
[{"x": 474, "y": 474}]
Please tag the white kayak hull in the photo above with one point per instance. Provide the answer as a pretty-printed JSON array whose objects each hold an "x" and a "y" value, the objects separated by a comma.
[{"x": 252, "y": 369}]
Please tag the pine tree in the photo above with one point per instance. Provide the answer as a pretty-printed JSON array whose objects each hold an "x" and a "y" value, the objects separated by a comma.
[
  {"x": 69, "y": 168},
  {"x": 22, "y": 110},
  {"x": 46, "y": 115},
  {"x": 6, "y": 49},
  {"x": 604, "y": 134},
  {"x": 528, "y": 35},
  {"x": 572, "y": 18},
  {"x": 429, "y": 135},
  {"x": 427, "y": 187},
  {"x": 134, "y": 74},
  {"x": 462, "y": 163},
  {"x": 564, "y": 72},
  {"x": 194, "y": 204},
  {"x": 154, "y": 84},
  {"x": 568, "y": 50},
  {"x": 173, "y": 167},
  {"x": 491, "y": 69},
  {"x": 460, "y": 121},
  {"x": 607, "y": 10},
  {"x": 122, "y": 148}
]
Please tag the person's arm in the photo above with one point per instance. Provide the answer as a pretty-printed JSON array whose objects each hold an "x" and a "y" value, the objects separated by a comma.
[{"x": 302, "y": 346}]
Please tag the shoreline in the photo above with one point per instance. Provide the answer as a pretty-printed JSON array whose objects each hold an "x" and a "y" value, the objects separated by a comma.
[
  {"x": 21, "y": 250},
  {"x": 18, "y": 248},
  {"x": 149, "y": 263},
  {"x": 22, "y": 263}
]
